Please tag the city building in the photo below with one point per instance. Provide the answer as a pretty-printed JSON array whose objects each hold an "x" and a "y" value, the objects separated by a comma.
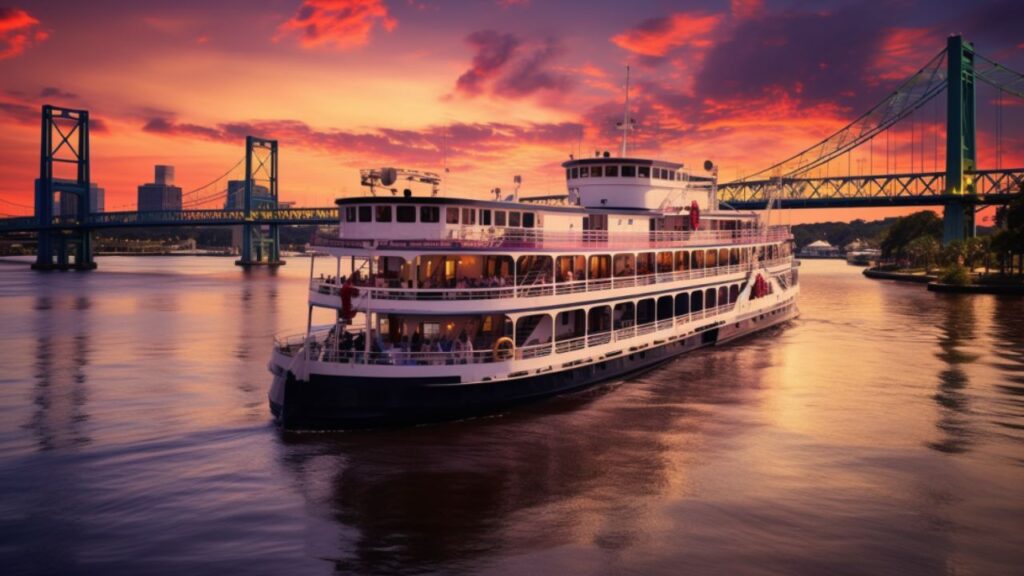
[{"x": 161, "y": 194}]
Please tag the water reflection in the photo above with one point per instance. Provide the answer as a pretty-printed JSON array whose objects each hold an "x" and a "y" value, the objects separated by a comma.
[
  {"x": 1008, "y": 340},
  {"x": 585, "y": 468},
  {"x": 60, "y": 392},
  {"x": 958, "y": 331}
]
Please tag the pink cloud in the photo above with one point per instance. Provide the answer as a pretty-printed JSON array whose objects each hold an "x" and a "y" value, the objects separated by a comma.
[
  {"x": 657, "y": 36},
  {"x": 18, "y": 31},
  {"x": 903, "y": 51},
  {"x": 341, "y": 24}
]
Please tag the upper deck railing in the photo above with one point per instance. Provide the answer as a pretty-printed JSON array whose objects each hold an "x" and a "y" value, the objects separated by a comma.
[
  {"x": 533, "y": 290},
  {"x": 526, "y": 239}
]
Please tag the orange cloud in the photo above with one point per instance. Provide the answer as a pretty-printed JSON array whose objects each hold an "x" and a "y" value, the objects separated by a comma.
[
  {"x": 18, "y": 30},
  {"x": 341, "y": 24},
  {"x": 656, "y": 37}
]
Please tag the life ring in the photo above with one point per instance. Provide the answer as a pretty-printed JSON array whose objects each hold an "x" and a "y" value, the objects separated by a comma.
[
  {"x": 694, "y": 215},
  {"x": 503, "y": 349}
]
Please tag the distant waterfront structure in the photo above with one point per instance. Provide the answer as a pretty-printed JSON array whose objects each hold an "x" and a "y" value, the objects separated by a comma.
[
  {"x": 161, "y": 194},
  {"x": 819, "y": 249},
  {"x": 67, "y": 204}
]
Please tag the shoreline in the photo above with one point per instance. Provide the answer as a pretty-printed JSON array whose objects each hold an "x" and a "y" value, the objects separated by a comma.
[{"x": 933, "y": 285}]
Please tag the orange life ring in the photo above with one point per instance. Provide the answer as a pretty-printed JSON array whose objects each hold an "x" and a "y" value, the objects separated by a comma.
[{"x": 503, "y": 349}]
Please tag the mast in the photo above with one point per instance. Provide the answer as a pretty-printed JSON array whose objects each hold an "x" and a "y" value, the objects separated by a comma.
[{"x": 625, "y": 118}]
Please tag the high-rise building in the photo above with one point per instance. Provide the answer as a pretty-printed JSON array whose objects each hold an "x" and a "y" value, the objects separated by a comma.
[{"x": 161, "y": 194}]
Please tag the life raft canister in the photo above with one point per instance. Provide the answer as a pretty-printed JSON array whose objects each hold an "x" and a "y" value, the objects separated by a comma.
[
  {"x": 347, "y": 292},
  {"x": 694, "y": 215}
]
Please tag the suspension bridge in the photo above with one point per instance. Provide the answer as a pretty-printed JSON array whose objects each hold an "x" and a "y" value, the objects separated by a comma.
[
  {"x": 813, "y": 178},
  {"x": 824, "y": 176}
]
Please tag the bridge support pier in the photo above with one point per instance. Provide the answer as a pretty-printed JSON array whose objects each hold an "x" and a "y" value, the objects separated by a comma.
[
  {"x": 957, "y": 221},
  {"x": 260, "y": 247},
  {"x": 64, "y": 144}
]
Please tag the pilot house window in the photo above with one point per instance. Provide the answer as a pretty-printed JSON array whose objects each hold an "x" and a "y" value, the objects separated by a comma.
[
  {"x": 383, "y": 213},
  {"x": 406, "y": 213},
  {"x": 430, "y": 214}
]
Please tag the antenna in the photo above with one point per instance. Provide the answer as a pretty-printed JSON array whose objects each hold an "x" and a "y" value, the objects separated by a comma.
[{"x": 627, "y": 124}]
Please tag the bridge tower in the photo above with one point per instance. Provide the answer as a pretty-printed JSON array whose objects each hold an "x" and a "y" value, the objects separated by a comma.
[
  {"x": 958, "y": 212},
  {"x": 260, "y": 244},
  {"x": 64, "y": 169}
]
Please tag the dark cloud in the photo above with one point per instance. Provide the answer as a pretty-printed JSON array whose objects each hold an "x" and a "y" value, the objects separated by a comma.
[
  {"x": 53, "y": 92},
  {"x": 505, "y": 65},
  {"x": 493, "y": 51},
  {"x": 531, "y": 74}
]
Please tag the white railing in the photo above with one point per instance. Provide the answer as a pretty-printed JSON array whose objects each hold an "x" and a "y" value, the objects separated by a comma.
[
  {"x": 563, "y": 346},
  {"x": 477, "y": 237},
  {"x": 324, "y": 347},
  {"x": 331, "y": 287}
]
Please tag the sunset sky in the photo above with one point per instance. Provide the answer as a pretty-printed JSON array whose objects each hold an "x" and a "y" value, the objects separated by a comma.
[{"x": 498, "y": 87}]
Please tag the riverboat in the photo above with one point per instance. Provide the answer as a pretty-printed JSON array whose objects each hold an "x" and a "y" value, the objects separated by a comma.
[{"x": 441, "y": 307}]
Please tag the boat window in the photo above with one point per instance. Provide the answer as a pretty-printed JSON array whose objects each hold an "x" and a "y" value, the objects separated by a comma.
[
  {"x": 644, "y": 171},
  {"x": 611, "y": 171},
  {"x": 665, "y": 307},
  {"x": 430, "y": 214},
  {"x": 697, "y": 261},
  {"x": 451, "y": 215},
  {"x": 499, "y": 217},
  {"x": 350, "y": 214},
  {"x": 711, "y": 259},
  {"x": 468, "y": 216},
  {"x": 645, "y": 311},
  {"x": 599, "y": 320},
  {"x": 723, "y": 295},
  {"x": 383, "y": 214},
  {"x": 624, "y": 265},
  {"x": 568, "y": 174},
  {"x": 709, "y": 298},
  {"x": 682, "y": 304},
  {"x": 584, "y": 171},
  {"x": 664, "y": 262},
  {"x": 528, "y": 219},
  {"x": 485, "y": 217},
  {"x": 682, "y": 260},
  {"x": 365, "y": 213},
  {"x": 600, "y": 267},
  {"x": 513, "y": 219},
  {"x": 575, "y": 173},
  {"x": 734, "y": 293},
  {"x": 624, "y": 315},
  {"x": 696, "y": 301},
  {"x": 406, "y": 213},
  {"x": 629, "y": 171}
]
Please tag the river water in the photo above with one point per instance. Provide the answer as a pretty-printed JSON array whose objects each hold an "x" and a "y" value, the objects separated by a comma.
[{"x": 881, "y": 432}]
